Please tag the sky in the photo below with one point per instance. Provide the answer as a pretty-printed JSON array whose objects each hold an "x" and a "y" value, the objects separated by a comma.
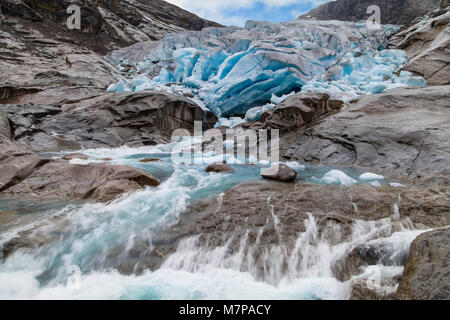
[{"x": 237, "y": 12}]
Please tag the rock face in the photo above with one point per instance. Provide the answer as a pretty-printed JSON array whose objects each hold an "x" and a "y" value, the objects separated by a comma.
[
  {"x": 426, "y": 40},
  {"x": 427, "y": 272},
  {"x": 26, "y": 176},
  {"x": 17, "y": 163},
  {"x": 109, "y": 120},
  {"x": 392, "y": 12},
  {"x": 280, "y": 172},
  {"x": 108, "y": 24},
  {"x": 52, "y": 93},
  {"x": 298, "y": 111},
  {"x": 44, "y": 63},
  {"x": 402, "y": 132},
  {"x": 5, "y": 128}
]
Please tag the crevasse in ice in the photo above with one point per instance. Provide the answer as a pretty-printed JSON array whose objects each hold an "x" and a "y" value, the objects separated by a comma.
[{"x": 232, "y": 70}]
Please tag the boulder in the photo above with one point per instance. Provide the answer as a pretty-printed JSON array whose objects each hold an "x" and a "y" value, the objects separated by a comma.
[
  {"x": 219, "y": 167},
  {"x": 61, "y": 181},
  {"x": 26, "y": 176},
  {"x": 299, "y": 110},
  {"x": 16, "y": 163},
  {"x": 403, "y": 132},
  {"x": 280, "y": 172},
  {"x": 427, "y": 271}
]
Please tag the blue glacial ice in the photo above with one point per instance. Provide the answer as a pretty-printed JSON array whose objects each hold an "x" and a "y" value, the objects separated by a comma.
[{"x": 233, "y": 70}]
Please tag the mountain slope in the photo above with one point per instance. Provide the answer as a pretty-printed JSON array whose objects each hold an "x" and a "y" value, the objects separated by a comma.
[
  {"x": 426, "y": 41},
  {"x": 392, "y": 12},
  {"x": 106, "y": 24}
]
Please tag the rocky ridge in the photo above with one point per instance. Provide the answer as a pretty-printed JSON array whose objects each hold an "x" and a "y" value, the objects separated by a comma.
[
  {"x": 107, "y": 25},
  {"x": 392, "y": 12},
  {"x": 426, "y": 41}
]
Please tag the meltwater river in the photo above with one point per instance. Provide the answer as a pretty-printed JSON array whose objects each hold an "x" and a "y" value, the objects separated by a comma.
[{"x": 79, "y": 250}]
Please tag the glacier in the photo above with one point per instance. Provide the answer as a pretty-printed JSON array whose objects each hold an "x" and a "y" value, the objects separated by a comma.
[{"x": 238, "y": 71}]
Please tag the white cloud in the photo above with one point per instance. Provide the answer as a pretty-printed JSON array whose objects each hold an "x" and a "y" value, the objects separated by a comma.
[{"x": 216, "y": 9}]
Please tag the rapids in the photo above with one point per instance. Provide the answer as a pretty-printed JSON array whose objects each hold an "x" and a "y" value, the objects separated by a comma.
[{"x": 102, "y": 251}]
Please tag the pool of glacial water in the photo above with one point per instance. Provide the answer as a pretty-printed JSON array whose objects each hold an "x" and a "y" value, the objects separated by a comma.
[{"x": 81, "y": 241}]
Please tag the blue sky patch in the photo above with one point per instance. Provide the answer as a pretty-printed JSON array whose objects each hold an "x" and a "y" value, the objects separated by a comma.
[{"x": 239, "y": 11}]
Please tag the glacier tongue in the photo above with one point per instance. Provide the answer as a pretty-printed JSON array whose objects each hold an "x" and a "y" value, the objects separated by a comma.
[{"x": 232, "y": 70}]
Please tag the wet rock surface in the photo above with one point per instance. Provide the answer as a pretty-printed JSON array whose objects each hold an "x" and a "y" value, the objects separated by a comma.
[
  {"x": 269, "y": 219},
  {"x": 27, "y": 176},
  {"x": 272, "y": 215},
  {"x": 427, "y": 271},
  {"x": 219, "y": 167},
  {"x": 53, "y": 99},
  {"x": 402, "y": 132},
  {"x": 292, "y": 203},
  {"x": 97, "y": 182},
  {"x": 280, "y": 172}
]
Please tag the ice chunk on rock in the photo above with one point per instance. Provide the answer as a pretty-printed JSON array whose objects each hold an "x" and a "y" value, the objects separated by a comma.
[
  {"x": 368, "y": 176},
  {"x": 337, "y": 177}
]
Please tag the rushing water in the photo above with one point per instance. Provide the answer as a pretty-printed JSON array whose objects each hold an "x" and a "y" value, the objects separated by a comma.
[{"x": 98, "y": 251}]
